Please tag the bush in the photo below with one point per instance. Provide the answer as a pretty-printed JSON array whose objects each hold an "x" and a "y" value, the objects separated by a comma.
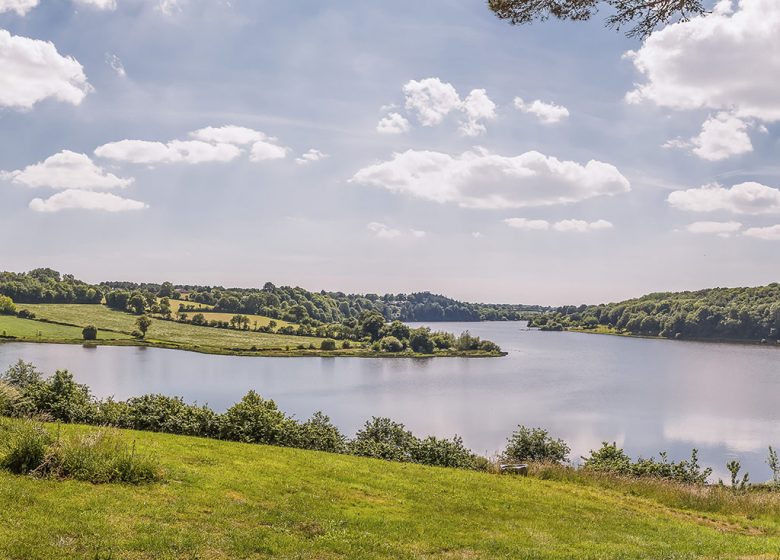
[
  {"x": 159, "y": 413},
  {"x": 9, "y": 399},
  {"x": 444, "y": 453},
  {"x": 420, "y": 341},
  {"x": 23, "y": 446},
  {"x": 25, "y": 314},
  {"x": 7, "y": 306},
  {"x": 391, "y": 344},
  {"x": 346, "y": 345},
  {"x": 257, "y": 420},
  {"x": 489, "y": 346},
  {"x": 61, "y": 398},
  {"x": 89, "y": 332},
  {"x": 384, "y": 439},
  {"x": 612, "y": 459},
  {"x": 328, "y": 344},
  {"x": 534, "y": 445},
  {"x": 319, "y": 433}
]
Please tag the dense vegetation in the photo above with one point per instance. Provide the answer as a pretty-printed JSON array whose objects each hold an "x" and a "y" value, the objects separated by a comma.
[
  {"x": 44, "y": 285},
  {"x": 749, "y": 314}
]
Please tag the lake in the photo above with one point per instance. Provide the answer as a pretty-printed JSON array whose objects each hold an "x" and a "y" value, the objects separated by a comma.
[{"x": 647, "y": 395}]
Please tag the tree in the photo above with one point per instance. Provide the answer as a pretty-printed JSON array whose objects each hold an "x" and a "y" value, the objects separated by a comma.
[
  {"x": 143, "y": 323},
  {"x": 371, "y": 324},
  {"x": 644, "y": 16},
  {"x": 535, "y": 444},
  {"x": 137, "y": 303},
  {"x": 328, "y": 344},
  {"x": 89, "y": 332},
  {"x": 391, "y": 344},
  {"x": 420, "y": 341},
  {"x": 7, "y": 306},
  {"x": 165, "y": 307}
]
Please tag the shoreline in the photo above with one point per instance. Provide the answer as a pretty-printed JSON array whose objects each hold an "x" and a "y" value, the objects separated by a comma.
[{"x": 742, "y": 342}]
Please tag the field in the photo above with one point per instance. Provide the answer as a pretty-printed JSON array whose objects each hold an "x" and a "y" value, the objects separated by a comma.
[
  {"x": 169, "y": 333},
  {"x": 232, "y": 500},
  {"x": 37, "y": 330},
  {"x": 261, "y": 320}
]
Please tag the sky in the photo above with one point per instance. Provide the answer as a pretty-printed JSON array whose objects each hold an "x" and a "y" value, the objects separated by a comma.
[{"x": 389, "y": 147}]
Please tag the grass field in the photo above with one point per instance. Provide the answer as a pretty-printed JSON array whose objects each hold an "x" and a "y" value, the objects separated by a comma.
[
  {"x": 36, "y": 330},
  {"x": 228, "y": 500},
  {"x": 262, "y": 321},
  {"x": 169, "y": 332}
]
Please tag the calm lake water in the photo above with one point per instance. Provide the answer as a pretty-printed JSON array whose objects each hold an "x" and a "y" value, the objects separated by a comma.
[{"x": 647, "y": 395}]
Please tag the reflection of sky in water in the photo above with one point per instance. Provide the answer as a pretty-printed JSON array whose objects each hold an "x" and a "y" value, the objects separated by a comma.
[{"x": 649, "y": 395}]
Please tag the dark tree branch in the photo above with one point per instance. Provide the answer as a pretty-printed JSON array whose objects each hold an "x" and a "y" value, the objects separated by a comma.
[{"x": 644, "y": 16}]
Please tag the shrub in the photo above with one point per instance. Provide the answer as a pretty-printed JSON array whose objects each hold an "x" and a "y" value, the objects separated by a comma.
[
  {"x": 9, "y": 398},
  {"x": 7, "y": 306},
  {"x": 612, "y": 459},
  {"x": 346, "y": 345},
  {"x": 384, "y": 439},
  {"x": 443, "y": 340},
  {"x": 444, "y": 453},
  {"x": 23, "y": 446},
  {"x": 328, "y": 344},
  {"x": 25, "y": 314},
  {"x": 420, "y": 341},
  {"x": 89, "y": 332},
  {"x": 534, "y": 444},
  {"x": 257, "y": 420},
  {"x": 489, "y": 346},
  {"x": 160, "y": 413},
  {"x": 467, "y": 342},
  {"x": 391, "y": 344},
  {"x": 319, "y": 433},
  {"x": 61, "y": 398}
]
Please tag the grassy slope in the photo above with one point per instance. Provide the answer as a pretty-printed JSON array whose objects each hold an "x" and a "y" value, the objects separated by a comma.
[
  {"x": 230, "y": 500},
  {"x": 261, "y": 320},
  {"x": 28, "y": 329},
  {"x": 165, "y": 331}
]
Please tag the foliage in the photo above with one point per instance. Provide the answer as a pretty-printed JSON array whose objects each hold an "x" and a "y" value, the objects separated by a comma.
[
  {"x": 644, "y": 16},
  {"x": 328, "y": 344},
  {"x": 319, "y": 434},
  {"x": 258, "y": 420},
  {"x": 391, "y": 344},
  {"x": 534, "y": 444},
  {"x": 23, "y": 445},
  {"x": 384, "y": 439},
  {"x": 7, "y": 306},
  {"x": 143, "y": 323},
  {"x": 44, "y": 285},
  {"x": 774, "y": 466},
  {"x": 446, "y": 453},
  {"x": 717, "y": 313},
  {"x": 89, "y": 332},
  {"x": 737, "y": 484},
  {"x": 612, "y": 459}
]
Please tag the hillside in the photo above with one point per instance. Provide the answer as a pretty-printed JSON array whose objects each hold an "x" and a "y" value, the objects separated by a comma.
[
  {"x": 740, "y": 314},
  {"x": 232, "y": 500}
]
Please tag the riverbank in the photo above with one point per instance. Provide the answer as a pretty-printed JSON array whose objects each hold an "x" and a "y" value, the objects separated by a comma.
[
  {"x": 614, "y": 332},
  {"x": 232, "y": 500}
]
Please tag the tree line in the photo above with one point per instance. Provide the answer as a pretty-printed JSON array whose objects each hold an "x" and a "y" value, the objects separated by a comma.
[{"x": 747, "y": 314}]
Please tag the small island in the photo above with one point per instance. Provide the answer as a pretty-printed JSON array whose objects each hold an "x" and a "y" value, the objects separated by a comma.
[{"x": 44, "y": 305}]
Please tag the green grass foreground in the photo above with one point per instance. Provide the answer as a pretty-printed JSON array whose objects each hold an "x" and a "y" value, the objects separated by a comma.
[
  {"x": 114, "y": 328},
  {"x": 232, "y": 500}
]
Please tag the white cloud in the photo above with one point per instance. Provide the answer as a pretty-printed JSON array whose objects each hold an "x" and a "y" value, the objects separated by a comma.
[
  {"x": 169, "y": 7},
  {"x": 229, "y": 134},
  {"x": 548, "y": 113},
  {"x": 581, "y": 226},
  {"x": 480, "y": 179},
  {"x": 266, "y": 150},
  {"x": 394, "y": 123},
  {"x": 477, "y": 234},
  {"x": 523, "y": 223},
  {"x": 478, "y": 107},
  {"x": 728, "y": 60},
  {"x": 383, "y": 231},
  {"x": 310, "y": 157},
  {"x": 770, "y": 233},
  {"x": 21, "y": 7},
  {"x": 113, "y": 61},
  {"x": 98, "y": 4},
  {"x": 431, "y": 100},
  {"x": 32, "y": 70},
  {"x": 66, "y": 170},
  {"x": 721, "y": 229},
  {"x": 73, "y": 199},
  {"x": 176, "y": 151},
  {"x": 744, "y": 198},
  {"x": 722, "y": 136},
  {"x": 418, "y": 233}
]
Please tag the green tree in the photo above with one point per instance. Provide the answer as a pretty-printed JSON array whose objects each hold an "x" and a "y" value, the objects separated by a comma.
[
  {"x": 7, "y": 306},
  {"x": 143, "y": 323},
  {"x": 535, "y": 444},
  {"x": 89, "y": 332},
  {"x": 137, "y": 303}
]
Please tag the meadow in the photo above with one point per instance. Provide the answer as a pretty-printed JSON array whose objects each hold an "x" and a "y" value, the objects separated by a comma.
[
  {"x": 37, "y": 330},
  {"x": 233, "y": 500}
]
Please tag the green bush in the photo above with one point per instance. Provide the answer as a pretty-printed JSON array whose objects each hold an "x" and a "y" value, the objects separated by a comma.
[
  {"x": 346, "y": 345},
  {"x": 318, "y": 433},
  {"x": 534, "y": 445},
  {"x": 384, "y": 439},
  {"x": 612, "y": 459},
  {"x": 444, "y": 453},
  {"x": 90, "y": 332},
  {"x": 7, "y": 306},
  {"x": 420, "y": 341},
  {"x": 160, "y": 413},
  {"x": 23, "y": 446},
  {"x": 257, "y": 420},
  {"x": 328, "y": 344},
  {"x": 391, "y": 344}
]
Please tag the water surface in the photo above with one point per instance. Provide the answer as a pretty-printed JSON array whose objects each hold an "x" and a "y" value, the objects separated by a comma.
[{"x": 648, "y": 395}]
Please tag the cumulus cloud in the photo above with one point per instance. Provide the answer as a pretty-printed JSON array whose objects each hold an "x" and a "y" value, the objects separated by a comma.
[
  {"x": 431, "y": 100},
  {"x": 176, "y": 151},
  {"x": 480, "y": 179},
  {"x": 721, "y": 229},
  {"x": 524, "y": 223},
  {"x": 230, "y": 134},
  {"x": 98, "y": 4},
  {"x": 744, "y": 198},
  {"x": 310, "y": 157},
  {"x": 721, "y": 137},
  {"x": 383, "y": 231},
  {"x": 33, "y": 70},
  {"x": 20, "y": 7},
  {"x": 394, "y": 123},
  {"x": 548, "y": 113},
  {"x": 770, "y": 233},
  {"x": 581, "y": 226},
  {"x": 66, "y": 170},
  {"x": 116, "y": 65},
  {"x": 267, "y": 150},
  {"x": 728, "y": 60},
  {"x": 73, "y": 199}
]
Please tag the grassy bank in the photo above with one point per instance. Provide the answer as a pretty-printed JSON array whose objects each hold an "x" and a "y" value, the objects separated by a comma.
[
  {"x": 62, "y": 323},
  {"x": 231, "y": 500}
]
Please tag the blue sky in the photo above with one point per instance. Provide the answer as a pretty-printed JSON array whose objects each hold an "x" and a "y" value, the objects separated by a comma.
[{"x": 478, "y": 184}]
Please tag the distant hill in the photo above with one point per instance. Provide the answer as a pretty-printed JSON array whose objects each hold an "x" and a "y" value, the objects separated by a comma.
[
  {"x": 749, "y": 314},
  {"x": 297, "y": 305}
]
